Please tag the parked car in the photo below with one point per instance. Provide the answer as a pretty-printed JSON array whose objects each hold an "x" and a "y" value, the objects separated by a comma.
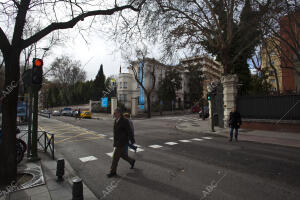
[
  {"x": 205, "y": 113},
  {"x": 55, "y": 113},
  {"x": 66, "y": 112},
  {"x": 195, "y": 109},
  {"x": 75, "y": 113},
  {"x": 86, "y": 114}
]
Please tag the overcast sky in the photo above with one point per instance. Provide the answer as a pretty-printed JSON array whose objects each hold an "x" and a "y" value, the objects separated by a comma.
[{"x": 98, "y": 51}]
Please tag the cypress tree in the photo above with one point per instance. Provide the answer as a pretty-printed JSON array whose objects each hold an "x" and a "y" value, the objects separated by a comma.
[{"x": 99, "y": 84}]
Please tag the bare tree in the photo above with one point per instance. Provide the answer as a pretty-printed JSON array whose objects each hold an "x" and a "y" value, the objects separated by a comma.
[
  {"x": 145, "y": 67},
  {"x": 225, "y": 28},
  {"x": 53, "y": 15},
  {"x": 283, "y": 26},
  {"x": 67, "y": 71}
]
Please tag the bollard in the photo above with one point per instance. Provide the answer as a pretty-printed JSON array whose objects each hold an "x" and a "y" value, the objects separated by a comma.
[
  {"x": 60, "y": 169},
  {"x": 77, "y": 190}
]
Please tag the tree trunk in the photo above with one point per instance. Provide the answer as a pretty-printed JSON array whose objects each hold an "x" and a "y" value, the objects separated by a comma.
[
  {"x": 277, "y": 81},
  {"x": 8, "y": 162},
  {"x": 148, "y": 106}
]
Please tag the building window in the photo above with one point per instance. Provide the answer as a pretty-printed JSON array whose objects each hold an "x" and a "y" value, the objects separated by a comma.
[
  {"x": 120, "y": 85},
  {"x": 123, "y": 98},
  {"x": 124, "y": 84}
]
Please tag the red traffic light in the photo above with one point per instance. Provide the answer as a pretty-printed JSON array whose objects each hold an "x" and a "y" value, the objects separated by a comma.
[{"x": 38, "y": 62}]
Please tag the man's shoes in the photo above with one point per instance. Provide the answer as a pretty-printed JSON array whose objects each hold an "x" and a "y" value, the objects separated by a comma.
[
  {"x": 236, "y": 139},
  {"x": 110, "y": 175},
  {"x": 132, "y": 164}
]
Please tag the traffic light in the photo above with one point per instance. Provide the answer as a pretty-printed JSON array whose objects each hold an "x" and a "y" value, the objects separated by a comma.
[
  {"x": 37, "y": 71},
  {"x": 208, "y": 96}
]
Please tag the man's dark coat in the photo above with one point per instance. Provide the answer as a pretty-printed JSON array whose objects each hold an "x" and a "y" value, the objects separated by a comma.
[
  {"x": 122, "y": 133},
  {"x": 235, "y": 120}
]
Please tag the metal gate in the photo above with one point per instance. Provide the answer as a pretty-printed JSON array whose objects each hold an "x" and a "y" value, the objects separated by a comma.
[{"x": 218, "y": 106}]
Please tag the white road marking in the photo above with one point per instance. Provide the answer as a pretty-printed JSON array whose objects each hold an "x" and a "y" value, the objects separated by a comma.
[
  {"x": 207, "y": 138},
  {"x": 110, "y": 154},
  {"x": 197, "y": 139},
  {"x": 184, "y": 141},
  {"x": 111, "y": 138},
  {"x": 155, "y": 146},
  {"x": 88, "y": 158},
  {"x": 102, "y": 134},
  {"x": 137, "y": 150},
  {"x": 171, "y": 143}
]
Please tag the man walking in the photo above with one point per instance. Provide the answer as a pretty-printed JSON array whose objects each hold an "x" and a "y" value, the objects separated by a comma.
[
  {"x": 122, "y": 134},
  {"x": 234, "y": 123}
]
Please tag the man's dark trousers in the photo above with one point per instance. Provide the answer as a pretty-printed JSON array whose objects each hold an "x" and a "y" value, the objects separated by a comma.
[
  {"x": 236, "y": 133},
  {"x": 120, "y": 152}
]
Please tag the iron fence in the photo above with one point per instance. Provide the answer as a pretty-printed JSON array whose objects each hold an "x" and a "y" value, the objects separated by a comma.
[
  {"x": 46, "y": 140},
  {"x": 269, "y": 107}
]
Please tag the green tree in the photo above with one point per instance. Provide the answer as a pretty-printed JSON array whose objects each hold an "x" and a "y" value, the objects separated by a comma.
[
  {"x": 195, "y": 83},
  {"x": 99, "y": 84},
  {"x": 169, "y": 85},
  {"x": 259, "y": 84}
]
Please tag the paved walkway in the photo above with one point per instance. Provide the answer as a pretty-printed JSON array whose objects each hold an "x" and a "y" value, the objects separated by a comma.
[
  {"x": 271, "y": 137},
  {"x": 50, "y": 189}
]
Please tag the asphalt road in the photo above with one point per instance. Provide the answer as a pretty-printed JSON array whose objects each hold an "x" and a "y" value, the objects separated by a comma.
[{"x": 200, "y": 166}]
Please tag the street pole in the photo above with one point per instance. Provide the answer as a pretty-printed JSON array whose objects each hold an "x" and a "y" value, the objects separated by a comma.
[
  {"x": 29, "y": 124},
  {"x": 34, "y": 156}
]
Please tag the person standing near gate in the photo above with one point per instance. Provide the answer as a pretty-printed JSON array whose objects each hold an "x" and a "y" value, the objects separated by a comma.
[
  {"x": 235, "y": 122},
  {"x": 122, "y": 135}
]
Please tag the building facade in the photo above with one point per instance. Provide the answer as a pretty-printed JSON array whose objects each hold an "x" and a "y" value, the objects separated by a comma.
[
  {"x": 129, "y": 88},
  {"x": 211, "y": 69},
  {"x": 290, "y": 42},
  {"x": 271, "y": 62}
]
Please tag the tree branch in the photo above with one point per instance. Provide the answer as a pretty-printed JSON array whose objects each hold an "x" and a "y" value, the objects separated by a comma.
[
  {"x": 73, "y": 22},
  {"x": 4, "y": 43}
]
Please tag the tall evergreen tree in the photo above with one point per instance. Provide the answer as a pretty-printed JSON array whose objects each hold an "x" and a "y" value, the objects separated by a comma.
[
  {"x": 99, "y": 84},
  {"x": 195, "y": 84},
  {"x": 169, "y": 85}
]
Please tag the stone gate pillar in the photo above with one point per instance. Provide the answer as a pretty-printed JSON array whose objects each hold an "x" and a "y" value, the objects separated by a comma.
[
  {"x": 230, "y": 92},
  {"x": 114, "y": 104},
  {"x": 90, "y": 106},
  {"x": 134, "y": 106}
]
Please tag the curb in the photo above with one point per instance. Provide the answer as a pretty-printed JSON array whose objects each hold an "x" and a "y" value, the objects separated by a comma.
[{"x": 71, "y": 174}]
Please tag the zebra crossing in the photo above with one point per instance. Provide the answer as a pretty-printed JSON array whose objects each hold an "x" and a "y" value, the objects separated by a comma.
[
  {"x": 65, "y": 132},
  {"x": 159, "y": 146},
  {"x": 182, "y": 118}
]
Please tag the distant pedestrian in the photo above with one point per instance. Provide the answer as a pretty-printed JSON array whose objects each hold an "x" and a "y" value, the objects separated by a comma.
[
  {"x": 130, "y": 145},
  {"x": 78, "y": 114},
  {"x": 235, "y": 122},
  {"x": 122, "y": 134}
]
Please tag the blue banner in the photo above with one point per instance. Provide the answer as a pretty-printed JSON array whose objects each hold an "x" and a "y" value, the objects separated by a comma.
[
  {"x": 104, "y": 102},
  {"x": 142, "y": 78}
]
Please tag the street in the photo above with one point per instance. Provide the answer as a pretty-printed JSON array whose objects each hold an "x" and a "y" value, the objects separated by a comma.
[{"x": 172, "y": 164}]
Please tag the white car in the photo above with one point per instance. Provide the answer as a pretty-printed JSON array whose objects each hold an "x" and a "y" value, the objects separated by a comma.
[
  {"x": 67, "y": 112},
  {"x": 55, "y": 113}
]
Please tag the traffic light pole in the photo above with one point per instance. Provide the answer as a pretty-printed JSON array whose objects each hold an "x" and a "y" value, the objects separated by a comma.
[
  {"x": 212, "y": 110},
  {"x": 29, "y": 124},
  {"x": 35, "y": 91}
]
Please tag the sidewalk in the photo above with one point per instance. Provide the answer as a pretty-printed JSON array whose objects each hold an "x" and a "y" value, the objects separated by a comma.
[
  {"x": 261, "y": 136},
  {"x": 101, "y": 116},
  {"x": 49, "y": 189}
]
